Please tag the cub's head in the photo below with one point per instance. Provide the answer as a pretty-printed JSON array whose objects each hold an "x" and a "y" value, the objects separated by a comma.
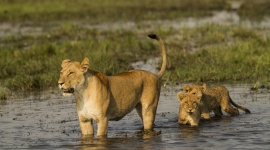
[
  {"x": 190, "y": 103},
  {"x": 193, "y": 89},
  {"x": 72, "y": 75}
]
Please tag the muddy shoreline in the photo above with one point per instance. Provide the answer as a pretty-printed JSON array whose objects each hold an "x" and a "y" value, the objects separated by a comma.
[{"x": 228, "y": 18}]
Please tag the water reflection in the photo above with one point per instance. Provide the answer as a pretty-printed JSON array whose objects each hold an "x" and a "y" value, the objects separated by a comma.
[
  {"x": 188, "y": 131},
  {"x": 144, "y": 142}
]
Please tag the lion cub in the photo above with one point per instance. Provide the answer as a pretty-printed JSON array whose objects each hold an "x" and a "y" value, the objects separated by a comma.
[
  {"x": 216, "y": 98},
  {"x": 190, "y": 109}
]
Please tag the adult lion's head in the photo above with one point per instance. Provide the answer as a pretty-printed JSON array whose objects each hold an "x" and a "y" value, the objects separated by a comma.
[{"x": 72, "y": 75}]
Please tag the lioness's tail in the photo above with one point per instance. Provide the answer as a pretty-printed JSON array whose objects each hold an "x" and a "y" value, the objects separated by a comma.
[
  {"x": 163, "y": 51},
  {"x": 240, "y": 107}
]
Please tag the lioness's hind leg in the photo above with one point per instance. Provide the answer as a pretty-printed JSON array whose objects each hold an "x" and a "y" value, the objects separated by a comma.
[
  {"x": 149, "y": 113},
  {"x": 139, "y": 110}
]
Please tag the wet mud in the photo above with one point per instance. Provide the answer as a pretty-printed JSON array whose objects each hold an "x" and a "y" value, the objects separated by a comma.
[
  {"x": 219, "y": 17},
  {"x": 49, "y": 120}
]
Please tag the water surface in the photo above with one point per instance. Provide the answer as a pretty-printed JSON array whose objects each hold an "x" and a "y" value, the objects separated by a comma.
[{"x": 49, "y": 120}]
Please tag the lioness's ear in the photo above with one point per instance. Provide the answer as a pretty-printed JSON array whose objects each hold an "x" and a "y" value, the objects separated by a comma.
[
  {"x": 180, "y": 96},
  {"x": 85, "y": 64},
  {"x": 186, "y": 88},
  {"x": 65, "y": 63}
]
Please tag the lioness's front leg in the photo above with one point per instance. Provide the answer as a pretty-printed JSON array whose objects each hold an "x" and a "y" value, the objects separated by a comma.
[
  {"x": 86, "y": 126},
  {"x": 102, "y": 126}
]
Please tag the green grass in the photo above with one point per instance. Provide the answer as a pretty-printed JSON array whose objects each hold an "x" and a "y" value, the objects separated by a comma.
[
  {"x": 38, "y": 11},
  {"x": 207, "y": 53},
  {"x": 104, "y": 10},
  {"x": 204, "y": 53},
  {"x": 254, "y": 9},
  {"x": 222, "y": 53},
  {"x": 244, "y": 60},
  {"x": 38, "y": 65}
]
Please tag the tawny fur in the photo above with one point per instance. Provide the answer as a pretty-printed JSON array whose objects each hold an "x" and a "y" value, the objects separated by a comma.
[
  {"x": 101, "y": 98},
  {"x": 190, "y": 109},
  {"x": 216, "y": 98}
]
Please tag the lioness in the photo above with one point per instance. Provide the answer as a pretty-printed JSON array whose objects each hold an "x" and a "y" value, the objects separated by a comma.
[
  {"x": 216, "y": 98},
  {"x": 102, "y": 98},
  {"x": 190, "y": 109}
]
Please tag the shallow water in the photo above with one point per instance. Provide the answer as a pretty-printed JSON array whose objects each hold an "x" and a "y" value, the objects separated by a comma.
[{"x": 49, "y": 120}]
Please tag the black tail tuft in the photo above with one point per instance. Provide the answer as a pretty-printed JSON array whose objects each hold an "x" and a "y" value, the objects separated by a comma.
[{"x": 153, "y": 36}]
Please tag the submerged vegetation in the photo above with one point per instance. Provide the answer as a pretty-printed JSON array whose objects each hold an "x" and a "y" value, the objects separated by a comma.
[{"x": 210, "y": 52}]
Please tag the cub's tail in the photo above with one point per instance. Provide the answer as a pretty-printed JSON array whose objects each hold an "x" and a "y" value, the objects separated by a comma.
[
  {"x": 163, "y": 54},
  {"x": 240, "y": 107}
]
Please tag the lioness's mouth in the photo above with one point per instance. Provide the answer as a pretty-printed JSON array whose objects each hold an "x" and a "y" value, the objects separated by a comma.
[{"x": 69, "y": 90}]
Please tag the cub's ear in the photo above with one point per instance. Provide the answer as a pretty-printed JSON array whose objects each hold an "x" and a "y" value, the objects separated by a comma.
[
  {"x": 65, "y": 63},
  {"x": 84, "y": 64},
  {"x": 199, "y": 95},
  {"x": 203, "y": 86},
  {"x": 186, "y": 88},
  {"x": 180, "y": 96}
]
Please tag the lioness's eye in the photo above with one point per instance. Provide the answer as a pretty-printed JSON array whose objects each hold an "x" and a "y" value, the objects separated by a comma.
[{"x": 71, "y": 73}]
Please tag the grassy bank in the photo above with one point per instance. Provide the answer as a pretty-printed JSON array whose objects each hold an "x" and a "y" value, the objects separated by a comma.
[
  {"x": 222, "y": 54},
  {"x": 38, "y": 11},
  {"x": 104, "y": 10},
  {"x": 210, "y": 52},
  {"x": 205, "y": 53}
]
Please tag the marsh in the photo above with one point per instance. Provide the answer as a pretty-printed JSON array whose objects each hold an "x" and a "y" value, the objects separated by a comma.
[{"x": 214, "y": 41}]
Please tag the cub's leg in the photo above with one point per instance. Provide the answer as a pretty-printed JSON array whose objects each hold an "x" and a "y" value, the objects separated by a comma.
[
  {"x": 227, "y": 107},
  {"x": 182, "y": 117},
  {"x": 86, "y": 126},
  {"x": 206, "y": 115},
  {"x": 102, "y": 125},
  {"x": 205, "y": 112},
  {"x": 218, "y": 112},
  {"x": 194, "y": 120},
  {"x": 194, "y": 123},
  {"x": 182, "y": 121}
]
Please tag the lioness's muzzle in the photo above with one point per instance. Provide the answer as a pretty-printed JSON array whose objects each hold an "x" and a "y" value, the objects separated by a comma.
[{"x": 69, "y": 90}]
